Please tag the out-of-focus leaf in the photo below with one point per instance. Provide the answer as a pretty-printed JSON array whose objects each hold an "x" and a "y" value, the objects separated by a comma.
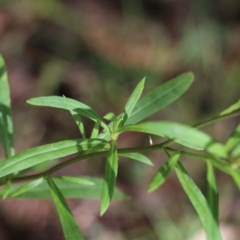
[
  {"x": 236, "y": 153},
  {"x": 6, "y": 125},
  {"x": 236, "y": 177},
  {"x": 68, "y": 189},
  {"x": 162, "y": 174},
  {"x": 56, "y": 9},
  {"x": 212, "y": 191},
  {"x": 233, "y": 140},
  {"x": 199, "y": 202},
  {"x": 26, "y": 187},
  {"x": 6, "y": 190},
  {"x": 36, "y": 155},
  {"x": 138, "y": 157},
  {"x": 110, "y": 116},
  {"x": 160, "y": 97},
  {"x": 68, "y": 104},
  {"x": 133, "y": 99},
  {"x": 182, "y": 134},
  {"x": 110, "y": 176},
  {"x": 232, "y": 111},
  {"x": 232, "y": 108},
  {"x": 70, "y": 228},
  {"x": 78, "y": 180},
  {"x": 95, "y": 130}
]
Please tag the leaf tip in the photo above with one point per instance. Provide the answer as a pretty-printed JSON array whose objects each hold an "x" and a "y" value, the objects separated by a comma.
[
  {"x": 103, "y": 209},
  {"x": 29, "y": 101},
  {"x": 191, "y": 75},
  {"x": 151, "y": 189},
  {"x": 150, "y": 163}
]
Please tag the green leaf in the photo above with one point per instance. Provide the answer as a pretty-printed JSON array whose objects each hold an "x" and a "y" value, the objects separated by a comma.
[
  {"x": 233, "y": 140},
  {"x": 68, "y": 104},
  {"x": 138, "y": 157},
  {"x": 162, "y": 174},
  {"x": 69, "y": 190},
  {"x": 199, "y": 202},
  {"x": 119, "y": 121},
  {"x": 79, "y": 123},
  {"x": 36, "y": 155},
  {"x": 160, "y": 97},
  {"x": 7, "y": 189},
  {"x": 6, "y": 125},
  {"x": 232, "y": 111},
  {"x": 236, "y": 177},
  {"x": 78, "y": 180},
  {"x": 110, "y": 176},
  {"x": 212, "y": 192},
  {"x": 95, "y": 130},
  {"x": 70, "y": 228},
  {"x": 26, "y": 187},
  {"x": 110, "y": 116},
  {"x": 133, "y": 99},
  {"x": 156, "y": 100},
  {"x": 182, "y": 134},
  {"x": 232, "y": 108},
  {"x": 236, "y": 153}
]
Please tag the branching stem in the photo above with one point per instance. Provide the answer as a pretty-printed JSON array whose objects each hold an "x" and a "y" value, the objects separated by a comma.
[
  {"x": 220, "y": 164},
  {"x": 204, "y": 157}
]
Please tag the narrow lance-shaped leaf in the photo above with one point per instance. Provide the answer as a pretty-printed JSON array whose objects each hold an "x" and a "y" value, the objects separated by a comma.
[
  {"x": 162, "y": 174},
  {"x": 7, "y": 189},
  {"x": 182, "y": 134},
  {"x": 231, "y": 111},
  {"x": 160, "y": 97},
  {"x": 78, "y": 180},
  {"x": 70, "y": 228},
  {"x": 110, "y": 176},
  {"x": 233, "y": 140},
  {"x": 6, "y": 125},
  {"x": 133, "y": 99},
  {"x": 138, "y": 157},
  {"x": 95, "y": 130},
  {"x": 157, "y": 99},
  {"x": 236, "y": 154},
  {"x": 68, "y": 104},
  {"x": 68, "y": 188},
  {"x": 110, "y": 116},
  {"x": 36, "y": 155},
  {"x": 199, "y": 202},
  {"x": 236, "y": 177},
  {"x": 26, "y": 187},
  {"x": 79, "y": 123},
  {"x": 232, "y": 108},
  {"x": 212, "y": 191}
]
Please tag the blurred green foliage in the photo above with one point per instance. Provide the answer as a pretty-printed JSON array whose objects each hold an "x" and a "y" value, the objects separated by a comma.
[{"x": 91, "y": 50}]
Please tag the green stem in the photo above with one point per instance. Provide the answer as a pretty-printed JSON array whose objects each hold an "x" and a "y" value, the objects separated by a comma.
[
  {"x": 216, "y": 118},
  {"x": 216, "y": 162},
  {"x": 222, "y": 165}
]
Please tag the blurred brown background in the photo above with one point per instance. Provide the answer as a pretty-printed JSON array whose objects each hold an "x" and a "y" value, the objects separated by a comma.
[{"x": 96, "y": 51}]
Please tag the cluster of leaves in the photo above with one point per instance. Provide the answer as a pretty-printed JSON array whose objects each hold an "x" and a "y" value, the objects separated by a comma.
[{"x": 103, "y": 142}]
